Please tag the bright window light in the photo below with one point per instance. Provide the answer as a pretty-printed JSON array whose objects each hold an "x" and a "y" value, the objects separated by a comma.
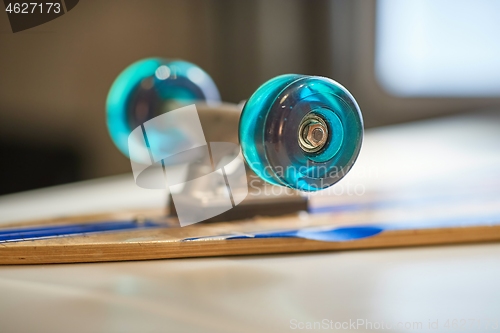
[{"x": 438, "y": 47}]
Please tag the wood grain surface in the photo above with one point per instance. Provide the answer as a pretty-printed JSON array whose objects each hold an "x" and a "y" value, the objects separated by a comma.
[{"x": 169, "y": 241}]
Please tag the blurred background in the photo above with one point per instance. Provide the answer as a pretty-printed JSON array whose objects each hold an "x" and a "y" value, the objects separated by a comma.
[{"x": 402, "y": 60}]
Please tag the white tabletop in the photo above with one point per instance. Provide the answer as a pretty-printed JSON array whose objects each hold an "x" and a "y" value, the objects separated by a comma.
[{"x": 273, "y": 293}]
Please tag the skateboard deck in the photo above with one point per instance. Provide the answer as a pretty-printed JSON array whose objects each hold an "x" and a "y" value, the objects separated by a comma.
[{"x": 372, "y": 221}]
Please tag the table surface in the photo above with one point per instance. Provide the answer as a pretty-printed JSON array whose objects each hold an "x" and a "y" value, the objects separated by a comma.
[{"x": 271, "y": 293}]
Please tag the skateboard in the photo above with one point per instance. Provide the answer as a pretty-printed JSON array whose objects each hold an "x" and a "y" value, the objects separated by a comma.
[{"x": 311, "y": 124}]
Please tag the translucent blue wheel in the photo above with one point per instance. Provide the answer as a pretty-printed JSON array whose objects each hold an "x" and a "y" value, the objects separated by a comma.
[
  {"x": 151, "y": 87},
  {"x": 303, "y": 132}
]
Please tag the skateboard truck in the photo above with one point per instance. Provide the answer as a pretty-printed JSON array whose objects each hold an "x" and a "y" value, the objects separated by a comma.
[
  {"x": 260, "y": 198},
  {"x": 296, "y": 133},
  {"x": 253, "y": 205}
]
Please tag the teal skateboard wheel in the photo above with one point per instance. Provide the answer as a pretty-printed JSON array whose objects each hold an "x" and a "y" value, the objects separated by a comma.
[
  {"x": 303, "y": 132},
  {"x": 151, "y": 87}
]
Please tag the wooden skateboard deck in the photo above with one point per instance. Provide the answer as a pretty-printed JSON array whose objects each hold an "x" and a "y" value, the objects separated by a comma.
[{"x": 376, "y": 221}]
